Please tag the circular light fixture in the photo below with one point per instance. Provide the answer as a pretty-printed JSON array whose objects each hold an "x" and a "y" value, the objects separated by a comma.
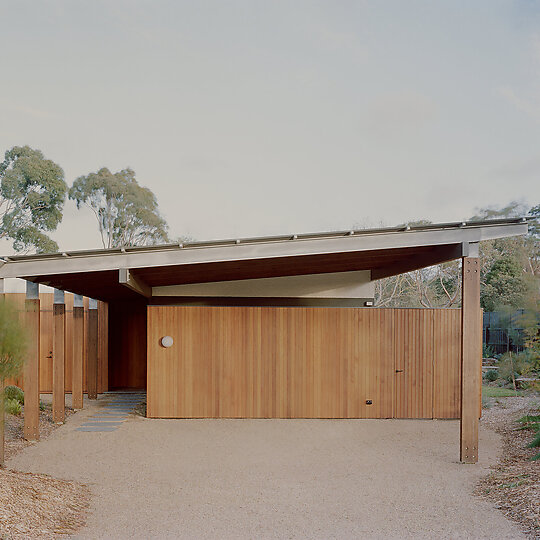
[{"x": 167, "y": 341}]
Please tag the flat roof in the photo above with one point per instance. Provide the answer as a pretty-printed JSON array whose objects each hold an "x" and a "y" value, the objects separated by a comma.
[{"x": 384, "y": 251}]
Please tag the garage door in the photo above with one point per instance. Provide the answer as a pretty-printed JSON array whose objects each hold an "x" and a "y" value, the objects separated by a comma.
[{"x": 264, "y": 362}]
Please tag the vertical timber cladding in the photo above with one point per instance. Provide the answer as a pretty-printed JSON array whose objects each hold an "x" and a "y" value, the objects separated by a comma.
[
  {"x": 413, "y": 339},
  {"x": 304, "y": 362},
  {"x": 46, "y": 341},
  {"x": 427, "y": 348},
  {"x": 253, "y": 362}
]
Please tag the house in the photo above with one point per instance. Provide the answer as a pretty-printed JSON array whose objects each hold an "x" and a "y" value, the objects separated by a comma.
[{"x": 278, "y": 326}]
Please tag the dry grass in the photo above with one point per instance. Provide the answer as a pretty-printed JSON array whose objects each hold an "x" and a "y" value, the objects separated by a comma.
[
  {"x": 33, "y": 505},
  {"x": 38, "y": 506},
  {"x": 514, "y": 483}
]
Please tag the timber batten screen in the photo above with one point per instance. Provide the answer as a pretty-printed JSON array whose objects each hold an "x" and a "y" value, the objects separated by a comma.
[{"x": 260, "y": 362}]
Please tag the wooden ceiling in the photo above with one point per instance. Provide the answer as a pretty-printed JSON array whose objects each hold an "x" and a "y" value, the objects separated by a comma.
[{"x": 104, "y": 285}]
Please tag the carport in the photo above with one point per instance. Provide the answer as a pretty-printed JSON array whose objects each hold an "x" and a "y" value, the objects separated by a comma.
[{"x": 276, "y": 326}]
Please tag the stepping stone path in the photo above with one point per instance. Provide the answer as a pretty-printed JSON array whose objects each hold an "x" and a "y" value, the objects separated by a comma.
[{"x": 115, "y": 409}]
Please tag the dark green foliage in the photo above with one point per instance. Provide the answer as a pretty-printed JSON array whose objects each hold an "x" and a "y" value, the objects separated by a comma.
[
  {"x": 14, "y": 392},
  {"x": 127, "y": 213},
  {"x": 492, "y": 375},
  {"x": 32, "y": 195},
  {"x": 505, "y": 285}
]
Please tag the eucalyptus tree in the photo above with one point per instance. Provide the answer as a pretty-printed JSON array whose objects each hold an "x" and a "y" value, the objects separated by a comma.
[
  {"x": 127, "y": 214},
  {"x": 32, "y": 195}
]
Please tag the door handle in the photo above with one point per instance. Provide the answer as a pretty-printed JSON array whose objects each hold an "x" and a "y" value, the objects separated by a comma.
[{"x": 399, "y": 370}]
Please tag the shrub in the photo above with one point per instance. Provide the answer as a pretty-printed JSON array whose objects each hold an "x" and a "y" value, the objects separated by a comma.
[
  {"x": 14, "y": 392},
  {"x": 13, "y": 407},
  {"x": 532, "y": 422},
  {"x": 525, "y": 363},
  {"x": 491, "y": 375},
  {"x": 13, "y": 341}
]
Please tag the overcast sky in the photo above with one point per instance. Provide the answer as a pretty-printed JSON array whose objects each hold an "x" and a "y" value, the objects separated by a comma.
[{"x": 260, "y": 117}]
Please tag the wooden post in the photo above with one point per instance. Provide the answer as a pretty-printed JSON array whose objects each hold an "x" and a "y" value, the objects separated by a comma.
[
  {"x": 92, "y": 355},
  {"x": 59, "y": 337},
  {"x": 78, "y": 344},
  {"x": 31, "y": 367},
  {"x": 471, "y": 353}
]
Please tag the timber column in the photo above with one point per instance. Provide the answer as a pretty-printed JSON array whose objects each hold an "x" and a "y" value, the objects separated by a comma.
[
  {"x": 92, "y": 356},
  {"x": 471, "y": 356},
  {"x": 31, "y": 367},
  {"x": 78, "y": 350},
  {"x": 59, "y": 338}
]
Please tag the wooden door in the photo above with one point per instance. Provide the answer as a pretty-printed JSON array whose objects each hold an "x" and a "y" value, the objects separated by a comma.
[{"x": 413, "y": 352}]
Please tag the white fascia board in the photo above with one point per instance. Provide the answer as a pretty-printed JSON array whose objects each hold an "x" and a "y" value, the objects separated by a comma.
[{"x": 261, "y": 250}]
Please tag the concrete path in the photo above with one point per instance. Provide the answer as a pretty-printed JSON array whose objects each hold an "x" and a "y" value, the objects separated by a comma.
[{"x": 239, "y": 479}]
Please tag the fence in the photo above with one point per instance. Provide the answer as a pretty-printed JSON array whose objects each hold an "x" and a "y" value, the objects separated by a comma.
[{"x": 46, "y": 342}]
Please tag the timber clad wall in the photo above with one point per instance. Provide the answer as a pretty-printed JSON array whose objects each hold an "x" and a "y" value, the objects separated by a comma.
[
  {"x": 254, "y": 362},
  {"x": 46, "y": 341}
]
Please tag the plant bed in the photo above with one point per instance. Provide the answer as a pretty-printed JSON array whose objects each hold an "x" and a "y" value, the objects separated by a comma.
[
  {"x": 14, "y": 428},
  {"x": 514, "y": 483},
  {"x": 34, "y": 505}
]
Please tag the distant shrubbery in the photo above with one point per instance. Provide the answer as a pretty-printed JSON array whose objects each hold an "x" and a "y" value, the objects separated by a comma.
[
  {"x": 13, "y": 399},
  {"x": 14, "y": 392},
  {"x": 13, "y": 406},
  {"x": 512, "y": 366}
]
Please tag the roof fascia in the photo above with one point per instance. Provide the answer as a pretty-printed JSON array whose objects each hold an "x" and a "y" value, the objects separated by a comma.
[{"x": 101, "y": 261}]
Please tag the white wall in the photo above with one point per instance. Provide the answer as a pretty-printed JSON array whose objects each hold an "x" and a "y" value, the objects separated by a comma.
[{"x": 335, "y": 285}]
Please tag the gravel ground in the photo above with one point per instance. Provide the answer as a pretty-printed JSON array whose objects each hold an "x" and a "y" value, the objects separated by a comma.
[{"x": 233, "y": 479}]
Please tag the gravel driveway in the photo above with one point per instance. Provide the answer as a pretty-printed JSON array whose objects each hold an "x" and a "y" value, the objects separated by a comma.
[{"x": 316, "y": 479}]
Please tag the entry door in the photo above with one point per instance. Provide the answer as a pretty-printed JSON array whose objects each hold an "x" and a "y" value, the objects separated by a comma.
[{"x": 413, "y": 354}]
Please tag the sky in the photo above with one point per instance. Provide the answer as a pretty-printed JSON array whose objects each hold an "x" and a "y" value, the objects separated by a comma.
[{"x": 261, "y": 117}]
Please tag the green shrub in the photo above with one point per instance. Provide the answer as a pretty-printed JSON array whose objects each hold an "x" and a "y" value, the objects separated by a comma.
[
  {"x": 14, "y": 392},
  {"x": 524, "y": 363},
  {"x": 13, "y": 407},
  {"x": 491, "y": 375},
  {"x": 532, "y": 422}
]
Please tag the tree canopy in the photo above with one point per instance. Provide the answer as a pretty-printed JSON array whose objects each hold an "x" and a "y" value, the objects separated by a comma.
[
  {"x": 127, "y": 213},
  {"x": 32, "y": 195},
  {"x": 510, "y": 272}
]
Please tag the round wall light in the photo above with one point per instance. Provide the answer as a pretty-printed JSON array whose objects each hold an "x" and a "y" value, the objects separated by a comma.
[{"x": 167, "y": 341}]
